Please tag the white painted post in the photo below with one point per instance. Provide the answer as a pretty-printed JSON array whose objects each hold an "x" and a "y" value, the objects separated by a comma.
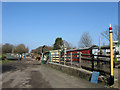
[{"x": 55, "y": 58}]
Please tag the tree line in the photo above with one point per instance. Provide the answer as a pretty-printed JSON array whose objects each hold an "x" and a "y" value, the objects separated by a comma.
[
  {"x": 9, "y": 48},
  {"x": 85, "y": 41},
  {"x": 39, "y": 49},
  {"x": 59, "y": 44}
]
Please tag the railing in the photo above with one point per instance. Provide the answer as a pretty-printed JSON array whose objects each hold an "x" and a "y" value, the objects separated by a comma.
[{"x": 101, "y": 63}]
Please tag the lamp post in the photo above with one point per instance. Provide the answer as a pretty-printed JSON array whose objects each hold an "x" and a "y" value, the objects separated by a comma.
[{"x": 111, "y": 82}]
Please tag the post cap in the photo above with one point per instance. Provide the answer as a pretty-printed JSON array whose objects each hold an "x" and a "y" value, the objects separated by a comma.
[{"x": 110, "y": 28}]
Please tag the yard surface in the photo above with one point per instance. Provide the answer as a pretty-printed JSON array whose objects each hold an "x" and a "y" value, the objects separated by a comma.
[{"x": 28, "y": 73}]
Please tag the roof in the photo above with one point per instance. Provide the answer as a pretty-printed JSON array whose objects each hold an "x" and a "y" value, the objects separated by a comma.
[
  {"x": 78, "y": 49},
  {"x": 103, "y": 47},
  {"x": 55, "y": 50},
  {"x": 85, "y": 48},
  {"x": 91, "y": 47}
]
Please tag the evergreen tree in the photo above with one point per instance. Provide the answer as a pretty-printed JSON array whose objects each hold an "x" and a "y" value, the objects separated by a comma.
[{"x": 58, "y": 43}]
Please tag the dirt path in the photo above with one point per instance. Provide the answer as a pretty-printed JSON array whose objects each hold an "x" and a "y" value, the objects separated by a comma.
[{"x": 29, "y": 74}]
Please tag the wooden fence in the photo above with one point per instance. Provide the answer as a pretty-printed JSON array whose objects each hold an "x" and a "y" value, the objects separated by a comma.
[
  {"x": 118, "y": 57},
  {"x": 92, "y": 62}
]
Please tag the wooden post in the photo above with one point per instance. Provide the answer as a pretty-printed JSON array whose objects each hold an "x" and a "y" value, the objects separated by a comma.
[
  {"x": 55, "y": 58},
  {"x": 48, "y": 59},
  {"x": 71, "y": 58},
  {"x": 92, "y": 62},
  {"x": 99, "y": 43},
  {"x": 64, "y": 58},
  {"x": 51, "y": 58},
  {"x": 80, "y": 58},
  {"x": 59, "y": 57},
  {"x": 98, "y": 63}
]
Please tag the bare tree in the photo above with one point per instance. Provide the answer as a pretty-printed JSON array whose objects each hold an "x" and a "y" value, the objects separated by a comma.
[
  {"x": 68, "y": 45},
  {"x": 116, "y": 33},
  {"x": 85, "y": 40}
]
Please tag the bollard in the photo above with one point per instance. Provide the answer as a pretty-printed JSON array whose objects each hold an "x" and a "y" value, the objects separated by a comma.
[{"x": 111, "y": 78}]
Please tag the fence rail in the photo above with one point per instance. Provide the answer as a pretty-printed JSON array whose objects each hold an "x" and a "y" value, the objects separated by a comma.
[{"x": 86, "y": 61}]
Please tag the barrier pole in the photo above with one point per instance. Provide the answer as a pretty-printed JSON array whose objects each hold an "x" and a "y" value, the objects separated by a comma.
[{"x": 111, "y": 82}]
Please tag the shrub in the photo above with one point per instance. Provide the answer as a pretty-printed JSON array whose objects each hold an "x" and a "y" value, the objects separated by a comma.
[
  {"x": 3, "y": 56},
  {"x": 117, "y": 52}
]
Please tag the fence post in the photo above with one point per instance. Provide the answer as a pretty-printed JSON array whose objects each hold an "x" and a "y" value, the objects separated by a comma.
[
  {"x": 71, "y": 58},
  {"x": 59, "y": 57},
  {"x": 80, "y": 58},
  {"x": 48, "y": 59},
  {"x": 64, "y": 58},
  {"x": 92, "y": 62},
  {"x": 51, "y": 57},
  {"x": 98, "y": 63},
  {"x": 55, "y": 58}
]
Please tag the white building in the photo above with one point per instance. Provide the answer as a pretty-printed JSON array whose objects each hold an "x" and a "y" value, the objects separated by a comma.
[
  {"x": 106, "y": 50},
  {"x": 117, "y": 49}
]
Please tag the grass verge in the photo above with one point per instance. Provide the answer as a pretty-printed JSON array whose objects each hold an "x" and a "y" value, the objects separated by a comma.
[{"x": 5, "y": 61}]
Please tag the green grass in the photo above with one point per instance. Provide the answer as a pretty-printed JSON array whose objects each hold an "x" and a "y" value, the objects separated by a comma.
[
  {"x": 5, "y": 61},
  {"x": 0, "y": 56}
]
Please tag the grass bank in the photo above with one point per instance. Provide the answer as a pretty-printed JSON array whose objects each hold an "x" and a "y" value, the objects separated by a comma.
[{"x": 6, "y": 61}]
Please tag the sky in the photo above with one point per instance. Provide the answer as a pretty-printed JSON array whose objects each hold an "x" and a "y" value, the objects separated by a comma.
[{"x": 40, "y": 23}]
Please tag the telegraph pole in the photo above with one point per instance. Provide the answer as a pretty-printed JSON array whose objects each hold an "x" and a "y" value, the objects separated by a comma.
[
  {"x": 99, "y": 43},
  {"x": 111, "y": 82}
]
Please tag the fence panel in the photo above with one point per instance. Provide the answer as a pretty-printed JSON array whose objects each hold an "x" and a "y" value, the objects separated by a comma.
[{"x": 86, "y": 61}]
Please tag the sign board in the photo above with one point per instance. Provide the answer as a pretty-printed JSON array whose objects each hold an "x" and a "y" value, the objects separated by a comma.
[{"x": 94, "y": 78}]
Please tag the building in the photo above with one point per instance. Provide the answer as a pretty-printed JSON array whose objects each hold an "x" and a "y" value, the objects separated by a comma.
[{"x": 117, "y": 49}]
